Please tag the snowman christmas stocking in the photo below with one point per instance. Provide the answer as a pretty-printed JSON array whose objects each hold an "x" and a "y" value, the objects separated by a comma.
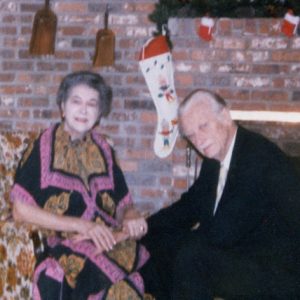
[{"x": 156, "y": 64}]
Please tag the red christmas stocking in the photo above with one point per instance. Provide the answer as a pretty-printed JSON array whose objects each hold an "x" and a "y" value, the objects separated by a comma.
[
  {"x": 290, "y": 23},
  {"x": 206, "y": 28},
  {"x": 156, "y": 64}
]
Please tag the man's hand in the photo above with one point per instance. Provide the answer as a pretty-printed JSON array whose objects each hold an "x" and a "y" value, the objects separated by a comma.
[{"x": 135, "y": 227}]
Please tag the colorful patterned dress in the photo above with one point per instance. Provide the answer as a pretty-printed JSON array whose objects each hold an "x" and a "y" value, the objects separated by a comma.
[{"x": 81, "y": 179}]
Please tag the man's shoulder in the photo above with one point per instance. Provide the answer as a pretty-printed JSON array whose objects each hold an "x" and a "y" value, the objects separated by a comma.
[
  {"x": 254, "y": 150},
  {"x": 254, "y": 141}
]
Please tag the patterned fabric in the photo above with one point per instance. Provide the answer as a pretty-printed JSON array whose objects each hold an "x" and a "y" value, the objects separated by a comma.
[
  {"x": 12, "y": 146},
  {"x": 17, "y": 261},
  {"x": 16, "y": 246},
  {"x": 80, "y": 179}
]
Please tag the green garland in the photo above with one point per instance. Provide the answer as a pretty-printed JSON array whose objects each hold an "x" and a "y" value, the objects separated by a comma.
[{"x": 221, "y": 8}]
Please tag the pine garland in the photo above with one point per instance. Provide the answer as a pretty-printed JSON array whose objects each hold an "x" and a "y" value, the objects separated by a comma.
[{"x": 221, "y": 8}]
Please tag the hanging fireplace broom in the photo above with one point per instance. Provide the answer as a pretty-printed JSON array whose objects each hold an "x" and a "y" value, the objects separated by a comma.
[
  {"x": 105, "y": 45},
  {"x": 43, "y": 31}
]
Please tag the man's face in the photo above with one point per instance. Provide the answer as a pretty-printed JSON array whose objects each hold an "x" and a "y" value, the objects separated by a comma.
[{"x": 209, "y": 131}]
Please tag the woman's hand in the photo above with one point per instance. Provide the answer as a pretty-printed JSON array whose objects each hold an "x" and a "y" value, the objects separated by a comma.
[
  {"x": 101, "y": 235},
  {"x": 135, "y": 227}
]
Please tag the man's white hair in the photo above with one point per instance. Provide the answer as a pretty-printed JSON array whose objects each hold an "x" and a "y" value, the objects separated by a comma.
[{"x": 217, "y": 102}]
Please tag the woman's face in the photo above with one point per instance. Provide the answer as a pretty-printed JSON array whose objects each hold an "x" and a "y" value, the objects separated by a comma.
[{"x": 81, "y": 110}]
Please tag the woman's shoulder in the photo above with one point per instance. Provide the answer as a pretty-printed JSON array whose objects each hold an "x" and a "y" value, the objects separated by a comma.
[{"x": 102, "y": 139}]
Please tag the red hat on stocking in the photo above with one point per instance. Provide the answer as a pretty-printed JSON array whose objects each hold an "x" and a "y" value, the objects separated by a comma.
[{"x": 155, "y": 46}]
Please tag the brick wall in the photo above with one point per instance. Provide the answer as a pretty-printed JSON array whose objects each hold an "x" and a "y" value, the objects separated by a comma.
[{"x": 249, "y": 62}]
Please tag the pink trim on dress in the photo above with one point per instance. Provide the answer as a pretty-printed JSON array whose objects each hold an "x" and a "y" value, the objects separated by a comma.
[
  {"x": 143, "y": 256},
  {"x": 137, "y": 281},
  {"x": 18, "y": 193},
  {"x": 98, "y": 296},
  {"x": 53, "y": 270},
  {"x": 104, "y": 146},
  {"x": 114, "y": 273},
  {"x": 123, "y": 204}
]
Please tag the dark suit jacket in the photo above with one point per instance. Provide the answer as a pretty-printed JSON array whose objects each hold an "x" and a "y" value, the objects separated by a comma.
[{"x": 259, "y": 211}]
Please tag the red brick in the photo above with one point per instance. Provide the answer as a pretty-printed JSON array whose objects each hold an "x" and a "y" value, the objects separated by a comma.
[
  {"x": 72, "y": 30},
  {"x": 147, "y": 143},
  {"x": 28, "y": 102},
  {"x": 182, "y": 55},
  {"x": 20, "y": 89},
  {"x": 238, "y": 25},
  {"x": 146, "y": 130},
  {"x": 128, "y": 166},
  {"x": 33, "y": 77},
  {"x": 69, "y": 54},
  {"x": 135, "y": 79},
  {"x": 290, "y": 107},
  {"x": 250, "y": 26},
  {"x": 110, "y": 128},
  {"x": 224, "y": 26},
  {"x": 210, "y": 55},
  {"x": 26, "y": 19},
  {"x": 229, "y": 94},
  {"x": 22, "y": 114},
  {"x": 165, "y": 181},
  {"x": 12, "y": 42},
  {"x": 6, "y": 126},
  {"x": 268, "y": 95},
  {"x": 248, "y": 106},
  {"x": 6, "y": 54},
  {"x": 286, "y": 56},
  {"x": 278, "y": 82},
  {"x": 7, "y": 113},
  {"x": 143, "y": 154},
  {"x": 74, "y": 7},
  {"x": 148, "y": 117},
  {"x": 180, "y": 183},
  {"x": 10, "y": 65},
  {"x": 151, "y": 193},
  {"x": 46, "y": 114},
  {"x": 45, "y": 66},
  {"x": 185, "y": 79},
  {"x": 251, "y": 82},
  {"x": 6, "y": 77},
  {"x": 27, "y": 7},
  {"x": 269, "y": 27},
  {"x": 231, "y": 43},
  {"x": 78, "y": 66},
  {"x": 8, "y": 30},
  {"x": 30, "y": 126},
  {"x": 270, "y": 69},
  {"x": 9, "y": 19},
  {"x": 144, "y": 7},
  {"x": 129, "y": 7}
]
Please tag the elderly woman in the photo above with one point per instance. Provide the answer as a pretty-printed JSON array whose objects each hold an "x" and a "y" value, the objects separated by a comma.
[{"x": 70, "y": 185}]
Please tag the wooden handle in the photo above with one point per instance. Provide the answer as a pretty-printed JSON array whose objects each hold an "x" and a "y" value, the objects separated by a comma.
[
  {"x": 106, "y": 17},
  {"x": 47, "y": 3}
]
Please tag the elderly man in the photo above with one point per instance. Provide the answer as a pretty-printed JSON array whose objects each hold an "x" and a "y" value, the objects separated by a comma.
[{"x": 247, "y": 202}]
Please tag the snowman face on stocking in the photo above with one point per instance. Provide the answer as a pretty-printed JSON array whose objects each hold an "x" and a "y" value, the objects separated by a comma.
[{"x": 157, "y": 69}]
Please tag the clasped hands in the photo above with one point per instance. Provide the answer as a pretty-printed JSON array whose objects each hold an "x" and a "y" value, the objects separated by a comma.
[{"x": 105, "y": 238}]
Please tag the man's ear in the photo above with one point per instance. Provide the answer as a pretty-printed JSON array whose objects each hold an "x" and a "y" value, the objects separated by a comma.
[{"x": 225, "y": 115}]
